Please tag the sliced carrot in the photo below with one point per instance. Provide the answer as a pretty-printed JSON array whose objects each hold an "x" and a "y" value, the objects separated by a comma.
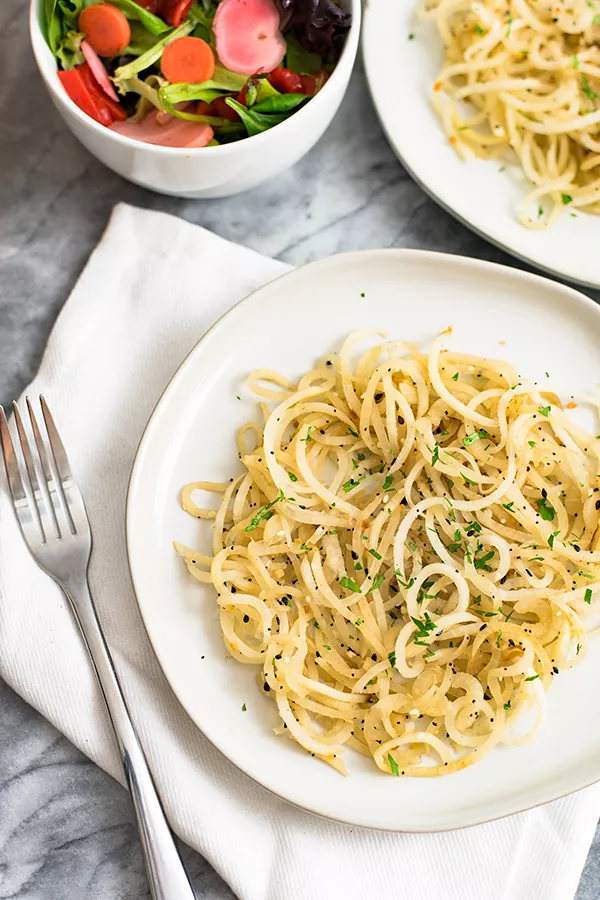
[
  {"x": 188, "y": 59},
  {"x": 106, "y": 29}
]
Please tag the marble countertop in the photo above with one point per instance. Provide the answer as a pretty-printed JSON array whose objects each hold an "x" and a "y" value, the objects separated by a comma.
[{"x": 66, "y": 829}]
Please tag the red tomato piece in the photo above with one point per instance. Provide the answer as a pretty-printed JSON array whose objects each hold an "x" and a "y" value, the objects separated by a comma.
[{"x": 286, "y": 81}]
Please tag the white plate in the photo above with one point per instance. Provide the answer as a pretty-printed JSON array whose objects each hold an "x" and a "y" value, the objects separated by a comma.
[
  {"x": 401, "y": 73},
  {"x": 287, "y": 325}
]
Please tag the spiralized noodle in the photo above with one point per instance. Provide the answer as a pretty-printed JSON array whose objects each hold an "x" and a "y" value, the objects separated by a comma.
[
  {"x": 410, "y": 554},
  {"x": 524, "y": 76}
]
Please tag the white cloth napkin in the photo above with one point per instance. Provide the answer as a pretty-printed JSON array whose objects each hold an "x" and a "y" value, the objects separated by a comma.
[{"x": 150, "y": 290}]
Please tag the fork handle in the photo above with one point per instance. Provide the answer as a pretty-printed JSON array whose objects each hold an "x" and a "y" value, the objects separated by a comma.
[{"x": 166, "y": 874}]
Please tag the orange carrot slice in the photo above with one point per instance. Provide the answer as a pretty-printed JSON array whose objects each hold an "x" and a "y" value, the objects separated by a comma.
[
  {"x": 106, "y": 29},
  {"x": 188, "y": 59}
]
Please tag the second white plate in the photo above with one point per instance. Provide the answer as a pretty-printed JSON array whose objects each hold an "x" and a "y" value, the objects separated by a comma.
[
  {"x": 287, "y": 325},
  {"x": 483, "y": 194}
]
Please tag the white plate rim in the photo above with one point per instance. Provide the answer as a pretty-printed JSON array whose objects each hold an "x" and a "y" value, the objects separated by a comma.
[
  {"x": 462, "y": 263},
  {"x": 373, "y": 9}
]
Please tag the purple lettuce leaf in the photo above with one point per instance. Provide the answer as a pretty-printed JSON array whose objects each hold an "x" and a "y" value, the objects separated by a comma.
[{"x": 320, "y": 26}]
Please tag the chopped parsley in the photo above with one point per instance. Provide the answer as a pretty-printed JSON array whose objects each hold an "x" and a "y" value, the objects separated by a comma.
[
  {"x": 358, "y": 623},
  {"x": 489, "y": 614},
  {"x": 507, "y": 705},
  {"x": 479, "y": 29},
  {"x": 551, "y": 539},
  {"x": 393, "y": 765},
  {"x": 349, "y": 584},
  {"x": 353, "y": 432},
  {"x": 474, "y": 436},
  {"x": 308, "y": 438},
  {"x": 264, "y": 513},
  {"x": 412, "y": 547},
  {"x": 455, "y": 376},
  {"x": 498, "y": 639},
  {"x": 411, "y": 37},
  {"x": 575, "y": 61},
  {"x": 481, "y": 563},
  {"x": 532, "y": 678},
  {"x": 404, "y": 584},
  {"x": 424, "y": 626},
  {"x": 436, "y": 454},
  {"x": 377, "y": 583},
  {"x": 578, "y": 649},
  {"x": 468, "y": 480},
  {"x": 566, "y": 199},
  {"x": 586, "y": 89},
  {"x": 544, "y": 411},
  {"x": 588, "y": 595},
  {"x": 352, "y": 483},
  {"x": 387, "y": 483},
  {"x": 392, "y": 658},
  {"x": 531, "y": 443},
  {"x": 244, "y": 707},
  {"x": 509, "y": 506},
  {"x": 358, "y": 567},
  {"x": 292, "y": 476},
  {"x": 374, "y": 553},
  {"x": 546, "y": 511}
]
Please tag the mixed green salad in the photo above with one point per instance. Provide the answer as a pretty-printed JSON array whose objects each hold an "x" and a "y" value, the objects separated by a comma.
[{"x": 193, "y": 73}]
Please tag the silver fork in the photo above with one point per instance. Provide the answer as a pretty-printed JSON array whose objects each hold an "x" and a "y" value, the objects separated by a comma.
[{"x": 50, "y": 511}]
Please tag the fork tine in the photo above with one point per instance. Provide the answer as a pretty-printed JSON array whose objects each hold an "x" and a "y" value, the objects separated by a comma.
[
  {"x": 23, "y": 500},
  {"x": 55, "y": 491},
  {"x": 47, "y": 477},
  {"x": 39, "y": 498},
  {"x": 72, "y": 494}
]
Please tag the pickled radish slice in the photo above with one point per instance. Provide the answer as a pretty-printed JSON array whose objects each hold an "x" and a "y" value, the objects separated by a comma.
[
  {"x": 247, "y": 36},
  {"x": 98, "y": 70},
  {"x": 173, "y": 133}
]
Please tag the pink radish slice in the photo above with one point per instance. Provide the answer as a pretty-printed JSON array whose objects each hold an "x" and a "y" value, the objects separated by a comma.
[
  {"x": 247, "y": 36},
  {"x": 98, "y": 70},
  {"x": 174, "y": 133}
]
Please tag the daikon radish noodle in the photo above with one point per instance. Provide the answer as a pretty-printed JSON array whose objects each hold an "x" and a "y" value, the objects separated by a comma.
[
  {"x": 409, "y": 555},
  {"x": 524, "y": 76}
]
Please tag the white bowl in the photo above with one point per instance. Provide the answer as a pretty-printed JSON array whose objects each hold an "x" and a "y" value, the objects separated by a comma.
[{"x": 206, "y": 171}]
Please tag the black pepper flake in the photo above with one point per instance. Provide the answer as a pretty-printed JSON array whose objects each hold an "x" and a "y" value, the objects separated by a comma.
[
  {"x": 378, "y": 397},
  {"x": 354, "y": 554},
  {"x": 374, "y": 657},
  {"x": 266, "y": 687},
  {"x": 246, "y": 618},
  {"x": 555, "y": 670},
  {"x": 400, "y": 420}
]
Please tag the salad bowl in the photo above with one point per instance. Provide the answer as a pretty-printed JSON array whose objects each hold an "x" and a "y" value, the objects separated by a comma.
[{"x": 210, "y": 171}]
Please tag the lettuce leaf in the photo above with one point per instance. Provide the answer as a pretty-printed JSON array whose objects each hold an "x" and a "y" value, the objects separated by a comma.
[{"x": 319, "y": 25}]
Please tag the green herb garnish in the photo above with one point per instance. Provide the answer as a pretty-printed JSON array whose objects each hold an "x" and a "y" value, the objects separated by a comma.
[
  {"x": 481, "y": 563},
  {"x": 393, "y": 765},
  {"x": 546, "y": 511},
  {"x": 264, "y": 513},
  {"x": 349, "y": 584},
  {"x": 474, "y": 436},
  {"x": 586, "y": 89}
]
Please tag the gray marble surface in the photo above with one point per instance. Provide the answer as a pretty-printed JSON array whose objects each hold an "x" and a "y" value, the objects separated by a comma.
[{"x": 66, "y": 829}]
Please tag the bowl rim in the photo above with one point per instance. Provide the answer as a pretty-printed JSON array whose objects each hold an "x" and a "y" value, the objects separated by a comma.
[{"x": 41, "y": 48}]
